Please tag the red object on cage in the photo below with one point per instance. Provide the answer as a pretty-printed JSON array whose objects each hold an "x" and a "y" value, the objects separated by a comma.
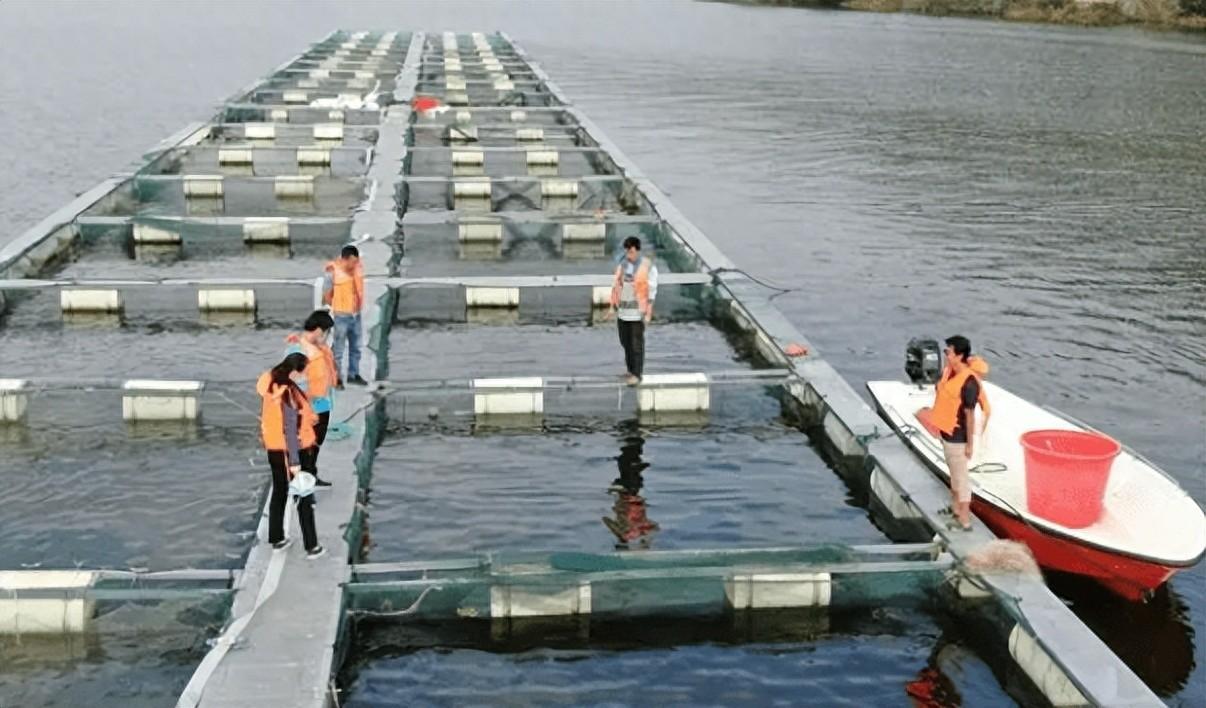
[{"x": 427, "y": 105}]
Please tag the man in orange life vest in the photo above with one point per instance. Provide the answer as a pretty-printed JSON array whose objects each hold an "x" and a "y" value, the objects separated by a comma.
[
  {"x": 954, "y": 414},
  {"x": 316, "y": 382},
  {"x": 633, "y": 291},
  {"x": 343, "y": 290}
]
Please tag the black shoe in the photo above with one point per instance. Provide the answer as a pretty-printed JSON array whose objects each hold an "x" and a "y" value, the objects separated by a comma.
[
  {"x": 357, "y": 381},
  {"x": 321, "y": 482}
]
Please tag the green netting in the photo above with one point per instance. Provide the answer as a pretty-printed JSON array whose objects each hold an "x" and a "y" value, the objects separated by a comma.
[{"x": 637, "y": 584}]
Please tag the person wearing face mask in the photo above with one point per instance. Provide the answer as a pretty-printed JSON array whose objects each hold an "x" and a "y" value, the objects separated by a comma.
[
  {"x": 317, "y": 381},
  {"x": 287, "y": 428}
]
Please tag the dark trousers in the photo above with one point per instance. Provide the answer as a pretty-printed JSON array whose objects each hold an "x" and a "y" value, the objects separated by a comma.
[
  {"x": 309, "y": 456},
  {"x": 280, "y": 496},
  {"x": 632, "y": 338}
]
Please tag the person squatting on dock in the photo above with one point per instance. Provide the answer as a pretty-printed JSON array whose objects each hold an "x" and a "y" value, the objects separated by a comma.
[
  {"x": 343, "y": 291},
  {"x": 317, "y": 382},
  {"x": 954, "y": 414},
  {"x": 633, "y": 292},
  {"x": 287, "y": 427}
]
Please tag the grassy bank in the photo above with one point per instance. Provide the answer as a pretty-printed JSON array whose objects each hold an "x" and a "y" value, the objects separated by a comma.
[{"x": 1167, "y": 14}]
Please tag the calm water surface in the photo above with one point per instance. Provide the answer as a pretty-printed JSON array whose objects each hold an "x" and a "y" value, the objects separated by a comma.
[{"x": 1035, "y": 188}]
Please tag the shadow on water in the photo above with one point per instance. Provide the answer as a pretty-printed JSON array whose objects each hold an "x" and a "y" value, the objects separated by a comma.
[{"x": 1154, "y": 638}]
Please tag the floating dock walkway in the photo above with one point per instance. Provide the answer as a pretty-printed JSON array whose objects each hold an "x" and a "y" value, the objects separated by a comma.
[{"x": 507, "y": 163}]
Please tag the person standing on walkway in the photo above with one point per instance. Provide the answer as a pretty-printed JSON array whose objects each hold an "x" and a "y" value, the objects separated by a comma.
[
  {"x": 287, "y": 427},
  {"x": 343, "y": 291},
  {"x": 317, "y": 382},
  {"x": 954, "y": 414},
  {"x": 633, "y": 291}
]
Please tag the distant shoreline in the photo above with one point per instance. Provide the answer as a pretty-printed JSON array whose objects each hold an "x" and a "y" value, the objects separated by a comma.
[{"x": 1157, "y": 14}]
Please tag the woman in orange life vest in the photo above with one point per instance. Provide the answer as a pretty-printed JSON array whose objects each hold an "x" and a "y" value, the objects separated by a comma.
[
  {"x": 954, "y": 415},
  {"x": 633, "y": 290},
  {"x": 317, "y": 382},
  {"x": 287, "y": 427}
]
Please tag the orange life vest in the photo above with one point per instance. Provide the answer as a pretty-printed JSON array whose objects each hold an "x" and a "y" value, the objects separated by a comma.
[
  {"x": 272, "y": 416},
  {"x": 948, "y": 399},
  {"x": 980, "y": 368},
  {"x": 640, "y": 285},
  {"x": 320, "y": 365},
  {"x": 346, "y": 295}
]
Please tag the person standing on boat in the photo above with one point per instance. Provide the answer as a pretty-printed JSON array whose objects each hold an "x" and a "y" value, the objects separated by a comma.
[
  {"x": 287, "y": 428},
  {"x": 633, "y": 291},
  {"x": 343, "y": 291},
  {"x": 954, "y": 414},
  {"x": 317, "y": 382}
]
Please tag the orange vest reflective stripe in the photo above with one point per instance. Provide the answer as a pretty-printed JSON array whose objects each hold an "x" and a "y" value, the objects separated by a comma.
[
  {"x": 640, "y": 285},
  {"x": 272, "y": 416},
  {"x": 948, "y": 398},
  {"x": 320, "y": 366},
  {"x": 347, "y": 288}
]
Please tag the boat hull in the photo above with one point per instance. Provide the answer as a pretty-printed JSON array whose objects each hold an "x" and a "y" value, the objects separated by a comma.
[
  {"x": 1134, "y": 552},
  {"x": 1133, "y": 578}
]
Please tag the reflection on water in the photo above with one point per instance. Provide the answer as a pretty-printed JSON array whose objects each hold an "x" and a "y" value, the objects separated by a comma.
[
  {"x": 774, "y": 657},
  {"x": 134, "y": 655},
  {"x": 731, "y": 484},
  {"x": 631, "y": 524},
  {"x": 134, "y": 496},
  {"x": 1155, "y": 639}
]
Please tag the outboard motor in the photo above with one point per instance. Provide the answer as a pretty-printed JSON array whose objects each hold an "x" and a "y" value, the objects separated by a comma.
[{"x": 923, "y": 361}]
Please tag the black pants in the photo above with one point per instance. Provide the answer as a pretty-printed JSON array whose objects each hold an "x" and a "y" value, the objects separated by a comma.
[
  {"x": 632, "y": 338},
  {"x": 309, "y": 456},
  {"x": 280, "y": 496}
]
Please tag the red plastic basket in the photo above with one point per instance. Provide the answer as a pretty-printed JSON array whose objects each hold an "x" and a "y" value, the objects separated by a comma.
[{"x": 1066, "y": 474}]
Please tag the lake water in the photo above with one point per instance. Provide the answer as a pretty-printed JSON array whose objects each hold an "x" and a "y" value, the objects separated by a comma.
[{"x": 1035, "y": 188}]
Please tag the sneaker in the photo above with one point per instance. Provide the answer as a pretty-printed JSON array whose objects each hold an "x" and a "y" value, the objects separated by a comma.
[
  {"x": 631, "y": 379},
  {"x": 316, "y": 552},
  {"x": 282, "y": 545},
  {"x": 357, "y": 381},
  {"x": 321, "y": 482},
  {"x": 338, "y": 384}
]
